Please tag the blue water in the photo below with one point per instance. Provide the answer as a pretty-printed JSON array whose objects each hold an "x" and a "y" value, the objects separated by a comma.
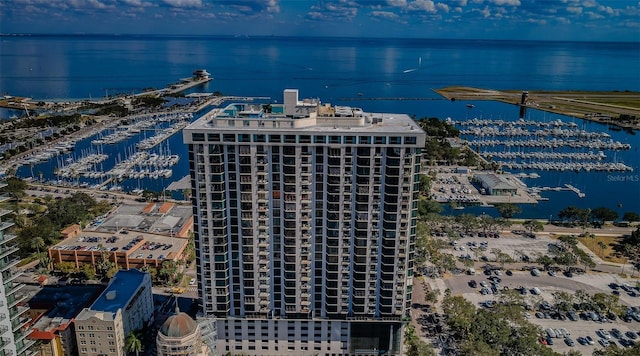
[{"x": 338, "y": 71}]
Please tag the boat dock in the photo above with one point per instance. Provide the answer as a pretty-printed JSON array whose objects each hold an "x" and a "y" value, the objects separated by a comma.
[{"x": 546, "y": 146}]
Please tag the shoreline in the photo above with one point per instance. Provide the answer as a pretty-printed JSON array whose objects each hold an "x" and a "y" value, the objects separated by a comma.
[{"x": 601, "y": 107}]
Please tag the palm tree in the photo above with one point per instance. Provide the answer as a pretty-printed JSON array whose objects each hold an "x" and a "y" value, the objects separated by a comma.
[
  {"x": 134, "y": 342},
  {"x": 38, "y": 243}
]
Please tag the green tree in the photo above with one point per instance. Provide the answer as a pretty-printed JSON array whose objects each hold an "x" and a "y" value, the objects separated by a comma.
[
  {"x": 533, "y": 225},
  {"x": 467, "y": 222},
  {"x": 508, "y": 210},
  {"x": 15, "y": 187},
  {"x": 66, "y": 267},
  {"x": 133, "y": 343},
  {"x": 88, "y": 270},
  {"x": 631, "y": 216},
  {"x": 603, "y": 247},
  {"x": 603, "y": 214},
  {"x": 563, "y": 300},
  {"x": 460, "y": 315},
  {"x": 38, "y": 243}
]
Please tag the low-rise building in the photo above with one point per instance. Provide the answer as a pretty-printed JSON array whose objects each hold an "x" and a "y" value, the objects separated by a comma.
[
  {"x": 53, "y": 310},
  {"x": 124, "y": 306},
  {"x": 495, "y": 184},
  {"x": 180, "y": 335}
]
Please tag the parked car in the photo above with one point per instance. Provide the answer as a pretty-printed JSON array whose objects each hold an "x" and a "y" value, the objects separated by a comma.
[
  {"x": 569, "y": 341},
  {"x": 603, "y": 334},
  {"x": 535, "y": 272}
]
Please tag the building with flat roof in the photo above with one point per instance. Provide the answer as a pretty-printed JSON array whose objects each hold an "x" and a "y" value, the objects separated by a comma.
[
  {"x": 14, "y": 317},
  {"x": 124, "y": 306},
  {"x": 304, "y": 222},
  {"x": 54, "y": 309}
]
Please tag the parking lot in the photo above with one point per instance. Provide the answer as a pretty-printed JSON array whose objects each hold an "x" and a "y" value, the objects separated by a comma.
[{"x": 544, "y": 285}]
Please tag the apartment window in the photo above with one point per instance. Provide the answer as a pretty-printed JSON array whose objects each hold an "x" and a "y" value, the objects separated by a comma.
[
  {"x": 319, "y": 139},
  {"x": 350, "y": 139},
  {"x": 229, "y": 138},
  {"x": 274, "y": 138},
  {"x": 81, "y": 334},
  {"x": 110, "y": 336},
  {"x": 244, "y": 137},
  {"x": 197, "y": 137},
  {"x": 84, "y": 349},
  {"x": 213, "y": 137},
  {"x": 380, "y": 139},
  {"x": 335, "y": 139},
  {"x": 410, "y": 140},
  {"x": 92, "y": 335},
  {"x": 394, "y": 140},
  {"x": 92, "y": 342},
  {"x": 80, "y": 327},
  {"x": 109, "y": 327},
  {"x": 364, "y": 140},
  {"x": 83, "y": 342}
]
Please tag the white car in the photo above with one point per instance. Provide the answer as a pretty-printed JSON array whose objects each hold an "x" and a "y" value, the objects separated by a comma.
[
  {"x": 603, "y": 334},
  {"x": 192, "y": 282}
]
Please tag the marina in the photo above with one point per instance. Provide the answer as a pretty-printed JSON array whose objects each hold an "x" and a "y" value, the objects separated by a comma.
[{"x": 544, "y": 146}]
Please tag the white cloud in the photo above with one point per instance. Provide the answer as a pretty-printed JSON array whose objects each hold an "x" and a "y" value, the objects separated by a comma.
[
  {"x": 385, "y": 15},
  {"x": 506, "y": 2},
  {"x": 486, "y": 13},
  {"x": 273, "y": 6},
  {"x": 183, "y": 3},
  {"x": 397, "y": 3},
  {"x": 423, "y": 5},
  {"x": 594, "y": 16},
  {"x": 443, "y": 7},
  {"x": 574, "y": 9},
  {"x": 608, "y": 10}
]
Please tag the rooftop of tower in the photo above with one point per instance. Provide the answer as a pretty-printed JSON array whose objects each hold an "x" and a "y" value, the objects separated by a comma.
[{"x": 306, "y": 114}]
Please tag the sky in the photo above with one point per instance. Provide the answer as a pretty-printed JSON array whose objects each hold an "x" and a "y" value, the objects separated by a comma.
[{"x": 566, "y": 20}]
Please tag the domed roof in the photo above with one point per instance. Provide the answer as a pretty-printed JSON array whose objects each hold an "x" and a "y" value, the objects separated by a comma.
[{"x": 178, "y": 325}]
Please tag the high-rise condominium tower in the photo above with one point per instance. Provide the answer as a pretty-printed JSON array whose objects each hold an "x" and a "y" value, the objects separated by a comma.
[{"x": 305, "y": 221}]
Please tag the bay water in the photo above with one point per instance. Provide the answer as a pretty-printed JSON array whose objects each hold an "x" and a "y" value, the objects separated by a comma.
[{"x": 378, "y": 75}]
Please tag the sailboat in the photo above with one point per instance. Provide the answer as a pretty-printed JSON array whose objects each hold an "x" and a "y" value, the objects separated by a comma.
[{"x": 414, "y": 69}]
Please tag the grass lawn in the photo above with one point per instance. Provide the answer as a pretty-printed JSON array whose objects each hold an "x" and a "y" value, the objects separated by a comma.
[{"x": 608, "y": 254}]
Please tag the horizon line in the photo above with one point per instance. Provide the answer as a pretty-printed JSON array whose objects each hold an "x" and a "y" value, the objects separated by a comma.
[{"x": 246, "y": 36}]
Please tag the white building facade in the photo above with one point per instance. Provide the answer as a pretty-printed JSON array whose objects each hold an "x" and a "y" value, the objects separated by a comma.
[
  {"x": 305, "y": 220},
  {"x": 14, "y": 318}
]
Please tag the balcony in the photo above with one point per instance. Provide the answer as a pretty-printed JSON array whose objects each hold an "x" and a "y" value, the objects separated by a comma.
[
  {"x": 17, "y": 311},
  {"x": 5, "y": 225},
  {"x": 5, "y": 265},
  {"x": 14, "y": 288},
  {"x": 4, "y": 238},
  {"x": 19, "y": 323},
  {"x": 8, "y": 250},
  {"x": 4, "y": 197}
]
